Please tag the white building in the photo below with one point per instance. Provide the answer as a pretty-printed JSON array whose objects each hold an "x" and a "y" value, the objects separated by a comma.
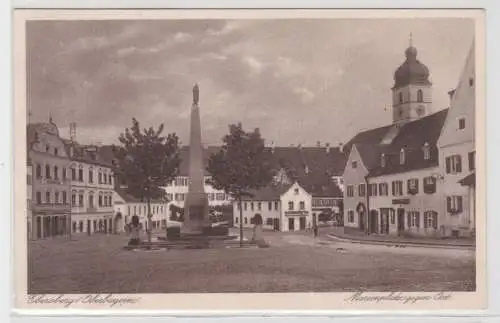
[
  {"x": 457, "y": 154},
  {"x": 91, "y": 183},
  {"x": 126, "y": 206}
]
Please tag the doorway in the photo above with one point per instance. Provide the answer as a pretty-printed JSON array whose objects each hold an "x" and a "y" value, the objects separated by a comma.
[
  {"x": 291, "y": 224},
  {"x": 276, "y": 224},
  {"x": 302, "y": 223},
  {"x": 373, "y": 221},
  {"x": 401, "y": 221},
  {"x": 38, "y": 227},
  {"x": 88, "y": 227},
  {"x": 384, "y": 221}
]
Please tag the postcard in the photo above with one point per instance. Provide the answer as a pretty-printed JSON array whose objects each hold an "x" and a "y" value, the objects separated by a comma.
[{"x": 249, "y": 160}]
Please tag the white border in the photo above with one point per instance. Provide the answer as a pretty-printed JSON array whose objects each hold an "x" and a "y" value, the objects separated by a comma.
[{"x": 492, "y": 109}]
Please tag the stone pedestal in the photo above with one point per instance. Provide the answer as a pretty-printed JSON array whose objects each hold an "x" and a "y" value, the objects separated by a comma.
[{"x": 195, "y": 214}]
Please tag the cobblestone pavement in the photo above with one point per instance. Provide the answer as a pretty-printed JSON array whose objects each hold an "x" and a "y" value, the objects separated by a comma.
[{"x": 293, "y": 263}]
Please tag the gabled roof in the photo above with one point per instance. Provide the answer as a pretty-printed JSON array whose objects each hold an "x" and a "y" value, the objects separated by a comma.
[
  {"x": 268, "y": 193},
  {"x": 411, "y": 137}
]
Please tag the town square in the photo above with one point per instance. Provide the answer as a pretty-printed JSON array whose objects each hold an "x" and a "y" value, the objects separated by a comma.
[{"x": 215, "y": 159}]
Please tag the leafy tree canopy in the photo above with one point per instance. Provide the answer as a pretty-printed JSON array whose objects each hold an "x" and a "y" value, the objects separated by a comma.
[{"x": 147, "y": 160}]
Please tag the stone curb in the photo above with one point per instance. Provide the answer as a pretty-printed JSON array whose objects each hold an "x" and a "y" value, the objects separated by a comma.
[{"x": 401, "y": 244}]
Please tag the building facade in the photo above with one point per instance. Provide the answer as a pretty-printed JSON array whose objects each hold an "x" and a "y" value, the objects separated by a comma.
[
  {"x": 51, "y": 194},
  {"x": 126, "y": 206},
  {"x": 394, "y": 183},
  {"x": 457, "y": 154}
]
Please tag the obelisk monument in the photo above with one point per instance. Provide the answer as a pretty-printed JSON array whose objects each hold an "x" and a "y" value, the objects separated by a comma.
[{"x": 196, "y": 205}]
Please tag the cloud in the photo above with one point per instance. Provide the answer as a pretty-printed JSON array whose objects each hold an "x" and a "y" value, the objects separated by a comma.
[{"x": 297, "y": 80}]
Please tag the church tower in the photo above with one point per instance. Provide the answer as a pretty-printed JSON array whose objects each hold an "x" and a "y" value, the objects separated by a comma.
[{"x": 412, "y": 90}]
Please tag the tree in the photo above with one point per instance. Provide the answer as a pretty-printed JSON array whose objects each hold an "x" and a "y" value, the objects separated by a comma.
[
  {"x": 242, "y": 165},
  {"x": 147, "y": 160}
]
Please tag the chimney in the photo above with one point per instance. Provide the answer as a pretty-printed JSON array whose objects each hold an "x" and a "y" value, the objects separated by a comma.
[
  {"x": 341, "y": 147},
  {"x": 451, "y": 94},
  {"x": 273, "y": 147},
  {"x": 327, "y": 145}
]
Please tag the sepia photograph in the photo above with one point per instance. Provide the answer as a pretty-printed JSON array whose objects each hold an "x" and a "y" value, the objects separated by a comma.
[{"x": 241, "y": 154}]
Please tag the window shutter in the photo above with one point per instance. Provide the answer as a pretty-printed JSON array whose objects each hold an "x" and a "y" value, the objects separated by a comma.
[
  {"x": 459, "y": 163},
  {"x": 448, "y": 165},
  {"x": 448, "y": 204},
  {"x": 418, "y": 220}
]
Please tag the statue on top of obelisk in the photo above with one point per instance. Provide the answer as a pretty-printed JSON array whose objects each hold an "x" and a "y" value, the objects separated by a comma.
[{"x": 196, "y": 218}]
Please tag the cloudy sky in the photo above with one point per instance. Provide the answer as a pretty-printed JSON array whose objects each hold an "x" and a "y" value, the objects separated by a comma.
[{"x": 299, "y": 81}]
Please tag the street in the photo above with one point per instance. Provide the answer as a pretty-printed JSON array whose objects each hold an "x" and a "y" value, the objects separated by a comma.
[{"x": 293, "y": 263}]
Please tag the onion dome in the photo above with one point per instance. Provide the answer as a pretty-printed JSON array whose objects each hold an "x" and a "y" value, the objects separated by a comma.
[{"x": 412, "y": 71}]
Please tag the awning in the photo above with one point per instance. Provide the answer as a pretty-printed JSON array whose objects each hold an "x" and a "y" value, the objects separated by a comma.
[{"x": 469, "y": 180}]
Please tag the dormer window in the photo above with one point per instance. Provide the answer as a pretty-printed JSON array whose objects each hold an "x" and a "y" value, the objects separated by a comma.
[
  {"x": 402, "y": 156},
  {"x": 427, "y": 151},
  {"x": 382, "y": 160}
]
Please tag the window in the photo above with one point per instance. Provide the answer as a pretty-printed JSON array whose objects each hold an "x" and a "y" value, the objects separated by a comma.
[
  {"x": 81, "y": 226},
  {"x": 104, "y": 178},
  {"x": 245, "y": 206},
  {"x": 270, "y": 205},
  {"x": 350, "y": 216},
  {"x": 74, "y": 227},
  {"x": 361, "y": 190},
  {"x": 427, "y": 152},
  {"x": 100, "y": 200},
  {"x": 56, "y": 151},
  {"x": 453, "y": 164},
  {"x": 73, "y": 199},
  {"x": 38, "y": 171},
  {"x": 454, "y": 204},
  {"x": 420, "y": 96},
  {"x": 383, "y": 189},
  {"x": 91, "y": 200},
  {"x": 413, "y": 219},
  {"x": 56, "y": 197},
  {"x": 400, "y": 97},
  {"x": 372, "y": 190},
  {"x": 236, "y": 220},
  {"x": 354, "y": 164},
  {"x": 47, "y": 197},
  {"x": 296, "y": 191},
  {"x": 38, "y": 197},
  {"x": 276, "y": 205},
  {"x": 29, "y": 180},
  {"x": 302, "y": 205},
  {"x": 471, "y": 82},
  {"x": 429, "y": 185},
  {"x": 80, "y": 199},
  {"x": 47, "y": 148},
  {"x": 402, "y": 156},
  {"x": 64, "y": 197},
  {"x": 461, "y": 123},
  {"x": 472, "y": 160},
  {"x": 64, "y": 174},
  {"x": 350, "y": 191},
  {"x": 47, "y": 171},
  {"x": 382, "y": 160},
  {"x": 430, "y": 220},
  {"x": 290, "y": 205},
  {"x": 80, "y": 175},
  {"x": 56, "y": 173},
  {"x": 246, "y": 221},
  {"x": 397, "y": 188},
  {"x": 413, "y": 186},
  {"x": 393, "y": 216},
  {"x": 259, "y": 206},
  {"x": 73, "y": 174},
  {"x": 91, "y": 176},
  {"x": 110, "y": 180},
  {"x": 251, "y": 206}
]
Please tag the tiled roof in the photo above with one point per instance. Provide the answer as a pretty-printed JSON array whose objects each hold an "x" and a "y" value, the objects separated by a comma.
[
  {"x": 267, "y": 193},
  {"x": 128, "y": 198},
  {"x": 411, "y": 137},
  {"x": 87, "y": 154}
]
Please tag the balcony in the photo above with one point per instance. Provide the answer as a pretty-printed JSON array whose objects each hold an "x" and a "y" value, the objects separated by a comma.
[{"x": 51, "y": 208}]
